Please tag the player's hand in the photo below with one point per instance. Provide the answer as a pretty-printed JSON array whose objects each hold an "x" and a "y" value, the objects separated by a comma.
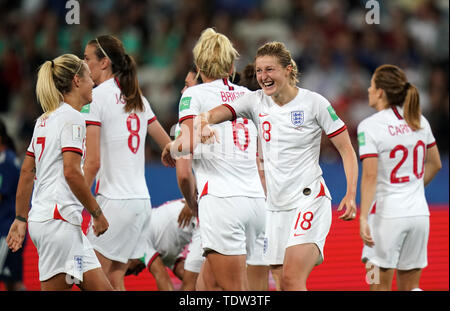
[
  {"x": 364, "y": 232},
  {"x": 350, "y": 207},
  {"x": 166, "y": 157},
  {"x": 16, "y": 235},
  {"x": 185, "y": 216},
  {"x": 100, "y": 224},
  {"x": 204, "y": 132}
]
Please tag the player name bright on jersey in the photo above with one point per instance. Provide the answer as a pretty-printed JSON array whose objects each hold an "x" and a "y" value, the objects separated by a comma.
[{"x": 228, "y": 97}]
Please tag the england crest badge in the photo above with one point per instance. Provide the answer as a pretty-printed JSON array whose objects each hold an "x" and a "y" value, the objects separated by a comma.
[{"x": 297, "y": 117}]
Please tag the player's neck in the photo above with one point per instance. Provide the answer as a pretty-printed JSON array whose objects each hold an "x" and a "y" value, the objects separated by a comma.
[
  {"x": 104, "y": 76},
  {"x": 285, "y": 96},
  {"x": 74, "y": 100}
]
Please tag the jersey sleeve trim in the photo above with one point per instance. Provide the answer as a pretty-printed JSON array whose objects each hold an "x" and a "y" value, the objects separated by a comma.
[
  {"x": 152, "y": 259},
  {"x": 151, "y": 120},
  {"x": 369, "y": 155},
  {"x": 431, "y": 145},
  {"x": 233, "y": 112},
  {"x": 72, "y": 149},
  {"x": 93, "y": 123},
  {"x": 191, "y": 116},
  {"x": 335, "y": 133},
  {"x": 29, "y": 153}
]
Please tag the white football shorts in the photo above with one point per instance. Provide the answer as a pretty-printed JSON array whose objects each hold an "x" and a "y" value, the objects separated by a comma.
[
  {"x": 400, "y": 243},
  {"x": 309, "y": 221},
  {"x": 62, "y": 248},
  {"x": 233, "y": 226},
  {"x": 126, "y": 220},
  {"x": 194, "y": 257}
]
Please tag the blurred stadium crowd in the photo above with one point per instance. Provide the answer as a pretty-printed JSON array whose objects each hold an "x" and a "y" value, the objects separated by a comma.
[{"x": 335, "y": 49}]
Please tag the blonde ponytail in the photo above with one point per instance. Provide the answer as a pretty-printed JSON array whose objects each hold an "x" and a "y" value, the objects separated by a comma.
[
  {"x": 47, "y": 94},
  {"x": 55, "y": 79}
]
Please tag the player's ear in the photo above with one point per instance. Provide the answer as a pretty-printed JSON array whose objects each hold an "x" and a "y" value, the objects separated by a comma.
[{"x": 76, "y": 80}]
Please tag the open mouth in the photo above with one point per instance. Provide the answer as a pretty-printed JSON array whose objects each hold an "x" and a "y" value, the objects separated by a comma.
[{"x": 268, "y": 84}]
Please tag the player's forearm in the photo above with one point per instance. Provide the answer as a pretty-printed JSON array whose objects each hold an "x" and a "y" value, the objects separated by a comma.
[
  {"x": 217, "y": 115},
  {"x": 432, "y": 165},
  {"x": 368, "y": 190},
  {"x": 79, "y": 188},
  {"x": 350, "y": 168},
  {"x": 90, "y": 170},
  {"x": 24, "y": 192},
  {"x": 158, "y": 134},
  {"x": 188, "y": 190}
]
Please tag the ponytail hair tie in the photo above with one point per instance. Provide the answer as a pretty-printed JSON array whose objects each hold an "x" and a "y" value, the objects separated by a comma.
[
  {"x": 53, "y": 64},
  {"x": 407, "y": 85}
]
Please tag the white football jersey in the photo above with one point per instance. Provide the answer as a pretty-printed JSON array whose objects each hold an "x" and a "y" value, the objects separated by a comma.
[
  {"x": 290, "y": 136},
  {"x": 228, "y": 167},
  {"x": 62, "y": 130},
  {"x": 164, "y": 234},
  {"x": 122, "y": 143},
  {"x": 401, "y": 154}
]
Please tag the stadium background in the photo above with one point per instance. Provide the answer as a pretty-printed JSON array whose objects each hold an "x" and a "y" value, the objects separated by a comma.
[{"x": 336, "y": 51}]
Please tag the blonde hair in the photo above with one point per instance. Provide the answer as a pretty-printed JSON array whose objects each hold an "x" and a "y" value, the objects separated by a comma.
[
  {"x": 279, "y": 50},
  {"x": 214, "y": 54},
  {"x": 399, "y": 92},
  {"x": 55, "y": 79}
]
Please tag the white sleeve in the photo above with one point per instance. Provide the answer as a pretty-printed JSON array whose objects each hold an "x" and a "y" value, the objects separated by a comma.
[
  {"x": 189, "y": 105},
  {"x": 245, "y": 106},
  {"x": 73, "y": 133},
  {"x": 327, "y": 118},
  {"x": 149, "y": 114},
  {"x": 430, "y": 140},
  {"x": 367, "y": 144},
  {"x": 92, "y": 113}
]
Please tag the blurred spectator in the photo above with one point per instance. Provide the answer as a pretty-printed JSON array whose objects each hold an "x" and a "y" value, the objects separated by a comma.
[{"x": 11, "y": 266}]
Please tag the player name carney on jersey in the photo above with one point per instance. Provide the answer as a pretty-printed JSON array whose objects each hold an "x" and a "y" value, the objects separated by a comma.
[{"x": 399, "y": 129}]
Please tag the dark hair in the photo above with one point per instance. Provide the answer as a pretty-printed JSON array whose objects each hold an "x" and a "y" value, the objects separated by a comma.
[
  {"x": 399, "y": 92},
  {"x": 248, "y": 78},
  {"x": 123, "y": 68},
  {"x": 5, "y": 139}
]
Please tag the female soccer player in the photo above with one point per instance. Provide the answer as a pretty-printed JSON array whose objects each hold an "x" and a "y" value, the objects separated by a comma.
[
  {"x": 53, "y": 165},
  {"x": 399, "y": 157},
  {"x": 118, "y": 120},
  {"x": 231, "y": 203},
  {"x": 290, "y": 122}
]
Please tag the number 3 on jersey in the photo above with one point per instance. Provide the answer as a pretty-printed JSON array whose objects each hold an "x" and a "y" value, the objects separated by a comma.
[{"x": 133, "y": 126}]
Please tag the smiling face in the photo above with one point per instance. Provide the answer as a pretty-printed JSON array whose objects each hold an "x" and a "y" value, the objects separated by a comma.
[
  {"x": 86, "y": 84},
  {"x": 272, "y": 77}
]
